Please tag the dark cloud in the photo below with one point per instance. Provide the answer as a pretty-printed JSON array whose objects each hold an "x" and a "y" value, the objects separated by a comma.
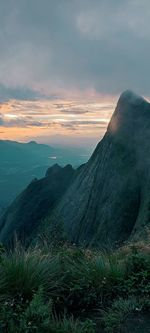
[
  {"x": 74, "y": 125},
  {"x": 7, "y": 93},
  {"x": 82, "y": 108},
  {"x": 61, "y": 107},
  {"x": 89, "y": 122},
  {"x": 52, "y": 45},
  {"x": 74, "y": 111},
  {"x": 23, "y": 94}
]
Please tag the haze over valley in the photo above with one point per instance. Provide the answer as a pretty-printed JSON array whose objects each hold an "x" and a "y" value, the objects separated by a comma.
[{"x": 20, "y": 163}]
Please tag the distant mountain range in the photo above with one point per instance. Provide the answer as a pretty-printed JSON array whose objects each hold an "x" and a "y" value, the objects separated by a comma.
[
  {"x": 103, "y": 202},
  {"x": 22, "y": 162}
]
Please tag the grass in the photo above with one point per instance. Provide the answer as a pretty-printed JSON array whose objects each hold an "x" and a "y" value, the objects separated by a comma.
[
  {"x": 72, "y": 290},
  {"x": 115, "y": 317}
]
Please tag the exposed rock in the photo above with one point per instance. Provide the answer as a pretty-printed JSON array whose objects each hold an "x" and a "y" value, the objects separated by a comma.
[{"x": 109, "y": 201}]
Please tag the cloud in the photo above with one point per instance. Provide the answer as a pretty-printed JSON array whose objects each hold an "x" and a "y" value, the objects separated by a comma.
[
  {"x": 57, "y": 116},
  {"x": 63, "y": 46},
  {"x": 74, "y": 109},
  {"x": 86, "y": 122},
  {"x": 64, "y": 63},
  {"x": 7, "y": 93},
  {"x": 19, "y": 122}
]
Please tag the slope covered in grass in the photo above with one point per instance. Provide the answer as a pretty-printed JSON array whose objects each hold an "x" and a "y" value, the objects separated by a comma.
[{"x": 65, "y": 289}]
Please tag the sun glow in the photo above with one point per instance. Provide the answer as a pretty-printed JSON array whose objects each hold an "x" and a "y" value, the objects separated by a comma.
[{"x": 11, "y": 116}]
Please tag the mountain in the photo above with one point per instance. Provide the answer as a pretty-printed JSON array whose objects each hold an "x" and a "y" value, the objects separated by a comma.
[
  {"x": 34, "y": 203},
  {"x": 21, "y": 162},
  {"x": 107, "y": 200}
]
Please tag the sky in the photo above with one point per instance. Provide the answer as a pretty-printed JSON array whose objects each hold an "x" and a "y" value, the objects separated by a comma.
[{"x": 64, "y": 63}]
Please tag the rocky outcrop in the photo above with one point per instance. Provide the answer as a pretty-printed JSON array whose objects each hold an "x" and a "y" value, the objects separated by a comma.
[{"x": 108, "y": 202}]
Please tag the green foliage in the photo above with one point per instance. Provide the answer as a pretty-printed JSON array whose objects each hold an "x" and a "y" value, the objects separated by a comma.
[
  {"x": 114, "y": 318},
  {"x": 59, "y": 291},
  {"x": 56, "y": 237},
  {"x": 72, "y": 326},
  {"x": 88, "y": 282},
  {"x": 37, "y": 316},
  {"x": 34, "y": 316},
  {"x": 23, "y": 272},
  {"x": 138, "y": 274}
]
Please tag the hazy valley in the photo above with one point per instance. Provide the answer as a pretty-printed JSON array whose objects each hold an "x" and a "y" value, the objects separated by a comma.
[{"x": 20, "y": 163}]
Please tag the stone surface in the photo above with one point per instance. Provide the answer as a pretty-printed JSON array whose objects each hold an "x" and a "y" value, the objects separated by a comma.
[{"x": 109, "y": 201}]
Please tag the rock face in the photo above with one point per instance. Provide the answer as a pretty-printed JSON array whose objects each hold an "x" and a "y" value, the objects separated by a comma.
[
  {"x": 107, "y": 200},
  {"x": 23, "y": 217}
]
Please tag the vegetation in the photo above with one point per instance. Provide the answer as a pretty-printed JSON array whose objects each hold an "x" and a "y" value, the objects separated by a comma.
[{"x": 66, "y": 289}]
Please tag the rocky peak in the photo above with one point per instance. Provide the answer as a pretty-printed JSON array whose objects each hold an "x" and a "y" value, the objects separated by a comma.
[
  {"x": 53, "y": 170},
  {"x": 108, "y": 200},
  {"x": 130, "y": 98},
  {"x": 131, "y": 114}
]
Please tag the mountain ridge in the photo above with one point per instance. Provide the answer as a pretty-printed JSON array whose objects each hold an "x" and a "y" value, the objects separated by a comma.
[
  {"x": 24, "y": 215},
  {"x": 107, "y": 201}
]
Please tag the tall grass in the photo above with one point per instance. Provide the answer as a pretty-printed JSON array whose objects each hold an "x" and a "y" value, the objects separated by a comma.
[
  {"x": 23, "y": 272},
  {"x": 62, "y": 290}
]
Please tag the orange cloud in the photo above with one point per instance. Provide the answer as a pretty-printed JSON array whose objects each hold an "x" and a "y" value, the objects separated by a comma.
[{"x": 88, "y": 117}]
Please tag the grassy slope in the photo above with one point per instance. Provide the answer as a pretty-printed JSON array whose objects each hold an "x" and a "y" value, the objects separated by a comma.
[{"x": 65, "y": 289}]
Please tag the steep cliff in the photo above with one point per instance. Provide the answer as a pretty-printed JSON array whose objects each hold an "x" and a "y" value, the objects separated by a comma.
[{"x": 109, "y": 201}]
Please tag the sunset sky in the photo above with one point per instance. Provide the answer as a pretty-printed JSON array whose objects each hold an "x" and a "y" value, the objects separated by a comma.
[{"x": 63, "y": 64}]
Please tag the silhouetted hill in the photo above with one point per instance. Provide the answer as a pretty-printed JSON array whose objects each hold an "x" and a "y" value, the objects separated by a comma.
[{"x": 35, "y": 202}]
